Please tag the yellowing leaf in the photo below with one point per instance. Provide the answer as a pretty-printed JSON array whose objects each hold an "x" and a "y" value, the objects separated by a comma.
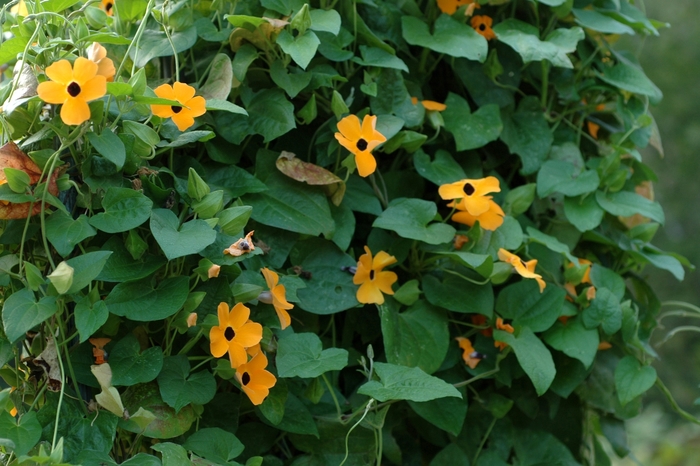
[{"x": 297, "y": 169}]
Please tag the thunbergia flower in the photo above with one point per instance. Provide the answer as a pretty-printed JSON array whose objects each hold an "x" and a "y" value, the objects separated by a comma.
[
  {"x": 183, "y": 115},
  {"x": 489, "y": 220},
  {"x": 105, "y": 66},
  {"x": 451, "y": 6},
  {"x": 255, "y": 381},
  {"x": 570, "y": 287},
  {"x": 234, "y": 334},
  {"x": 277, "y": 297},
  {"x": 98, "y": 352},
  {"x": 371, "y": 277},
  {"x": 471, "y": 357},
  {"x": 524, "y": 269},
  {"x": 482, "y": 25},
  {"x": 506, "y": 328},
  {"x": 241, "y": 246},
  {"x": 473, "y": 194},
  {"x": 360, "y": 140},
  {"x": 73, "y": 86},
  {"x": 429, "y": 104},
  {"x": 108, "y": 7}
]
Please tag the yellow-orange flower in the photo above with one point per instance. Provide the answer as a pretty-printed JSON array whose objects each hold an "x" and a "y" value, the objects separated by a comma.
[
  {"x": 192, "y": 319},
  {"x": 213, "y": 271},
  {"x": 360, "y": 140},
  {"x": 471, "y": 358},
  {"x": 98, "y": 352},
  {"x": 459, "y": 241},
  {"x": 372, "y": 279},
  {"x": 473, "y": 194},
  {"x": 73, "y": 86},
  {"x": 506, "y": 328},
  {"x": 255, "y": 381},
  {"x": 234, "y": 334},
  {"x": 524, "y": 269},
  {"x": 489, "y": 220},
  {"x": 183, "y": 115},
  {"x": 604, "y": 345},
  {"x": 241, "y": 246},
  {"x": 593, "y": 129},
  {"x": 451, "y": 6},
  {"x": 482, "y": 25},
  {"x": 429, "y": 104},
  {"x": 108, "y": 7},
  {"x": 105, "y": 66},
  {"x": 278, "y": 297}
]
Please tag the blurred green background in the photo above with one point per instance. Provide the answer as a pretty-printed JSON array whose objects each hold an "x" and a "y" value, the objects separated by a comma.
[{"x": 659, "y": 437}]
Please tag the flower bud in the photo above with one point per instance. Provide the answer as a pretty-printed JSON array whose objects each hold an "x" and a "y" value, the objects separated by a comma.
[
  {"x": 62, "y": 277},
  {"x": 197, "y": 188}
]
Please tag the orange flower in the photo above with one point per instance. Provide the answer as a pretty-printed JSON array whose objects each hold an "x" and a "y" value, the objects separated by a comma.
[
  {"x": 451, "y": 6},
  {"x": 360, "y": 140},
  {"x": 183, "y": 115},
  {"x": 73, "y": 86},
  {"x": 505, "y": 327},
  {"x": 473, "y": 194},
  {"x": 241, "y": 246},
  {"x": 372, "y": 279},
  {"x": 234, "y": 334},
  {"x": 98, "y": 352},
  {"x": 108, "y": 7},
  {"x": 277, "y": 297},
  {"x": 105, "y": 66},
  {"x": 213, "y": 271},
  {"x": 524, "y": 269},
  {"x": 192, "y": 319},
  {"x": 593, "y": 129},
  {"x": 471, "y": 358},
  {"x": 604, "y": 345},
  {"x": 489, "y": 220},
  {"x": 429, "y": 104},
  {"x": 482, "y": 25},
  {"x": 255, "y": 381},
  {"x": 459, "y": 241}
]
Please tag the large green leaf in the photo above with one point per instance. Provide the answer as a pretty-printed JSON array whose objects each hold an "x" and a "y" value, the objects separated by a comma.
[
  {"x": 417, "y": 337},
  {"x": 122, "y": 267},
  {"x": 393, "y": 98},
  {"x": 301, "y": 48},
  {"x": 292, "y": 83},
  {"x": 630, "y": 78},
  {"x": 302, "y": 355},
  {"x": 524, "y": 39},
  {"x": 179, "y": 388},
  {"x": 167, "y": 423},
  {"x": 297, "y": 419},
  {"x": 410, "y": 218},
  {"x": 64, "y": 233},
  {"x": 374, "y": 56},
  {"x": 89, "y": 316},
  {"x": 447, "y": 414},
  {"x": 180, "y": 240},
  {"x": 109, "y": 145},
  {"x": 450, "y": 37},
  {"x": 583, "y": 212},
  {"x": 145, "y": 303},
  {"x": 632, "y": 379},
  {"x": 605, "y": 311},
  {"x": 156, "y": 43},
  {"x": 574, "y": 340},
  {"x": 444, "y": 169},
  {"x": 21, "y": 312},
  {"x": 527, "y": 133},
  {"x": 557, "y": 176},
  {"x": 130, "y": 366},
  {"x": 533, "y": 356},
  {"x": 524, "y": 303},
  {"x": 627, "y": 203},
  {"x": 214, "y": 444},
  {"x": 85, "y": 268},
  {"x": 406, "y": 383},
  {"x": 24, "y": 432},
  {"x": 124, "y": 209},
  {"x": 597, "y": 21},
  {"x": 508, "y": 236},
  {"x": 471, "y": 130},
  {"x": 458, "y": 295}
]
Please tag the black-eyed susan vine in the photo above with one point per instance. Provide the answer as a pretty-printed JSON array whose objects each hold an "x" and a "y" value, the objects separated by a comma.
[{"x": 332, "y": 233}]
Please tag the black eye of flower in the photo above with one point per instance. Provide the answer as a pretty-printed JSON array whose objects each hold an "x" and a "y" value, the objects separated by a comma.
[
  {"x": 361, "y": 144},
  {"x": 245, "y": 378},
  {"x": 73, "y": 89},
  {"x": 469, "y": 189},
  {"x": 176, "y": 108},
  {"x": 229, "y": 333}
]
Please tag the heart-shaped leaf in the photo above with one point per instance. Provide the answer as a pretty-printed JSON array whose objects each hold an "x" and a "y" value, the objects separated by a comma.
[{"x": 190, "y": 238}]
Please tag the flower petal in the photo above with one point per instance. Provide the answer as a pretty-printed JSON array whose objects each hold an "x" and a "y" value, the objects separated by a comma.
[
  {"x": 366, "y": 163},
  {"x": 217, "y": 342},
  {"x": 75, "y": 111},
  {"x": 249, "y": 334},
  {"x": 223, "y": 313},
  {"x": 384, "y": 280},
  {"x": 239, "y": 316},
  {"x": 236, "y": 354},
  {"x": 347, "y": 143},
  {"x": 264, "y": 379},
  {"x": 279, "y": 297},
  {"x": 163, "y": 111},
  {"x": 93, "y": 88},
  {"x": 197, "y": 106},
  {"x": 364, "y": 267},
  {"x": 381, "y": 260},
  {"x": 52, "y": 92},
  {"x": 350, "y": 128},
  {"x": 83, "y": 70},
  {"x": 258, "y": 363},
  {"x": 284, "y": 317},
  {"x": 453, "y": 190},
  {"x": 256, "y": 396},
  {"x": 105, "y": 67},
  {"x": 369, "y": 293},
  {"x": 165, "y": 91},
  {"x": 271, "y": 278},
  {"x": 60, "y": 72},
  {"x": 183, "y": 92},
  {"x": 487, "y": 185},
  {"x": 183, "y": 120},
  {"x": 434, "y": 106}
]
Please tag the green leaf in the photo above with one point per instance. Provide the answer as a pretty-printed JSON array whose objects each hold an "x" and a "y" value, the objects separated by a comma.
[
  {"x": 17, "y": 180},
  {"x": 301, "y": 48},
  {"x": 190, "y": 238},
  {"x": 393, "y": 99},
  {"x": 602, "y": 277},
  {"x": 270, "y": 114},
  {"x": 214, "y": 444},
  {"x": 527, "y": 133},
  {"x": 130, "y": 366},
  {"x": 524, "y": 303},
  {"x": 167, "y": 423},
  {"x": 325, "y": 21},
  {"x": 301, "y": 355},
  {"x": 292, "y": 83},
  {"x": 110, "y": 146},
  {"x": 57, "y": 6},
  {"x": 447, "y": 414},
  {"x": 449, "y": 37},
  {"x": 9, "y": 49},
  {"x": 605, "y": 311},
  {"x": 632, "y": 379},
  {"x": 409, "y": 293},
  {"x": 630, "y": 78},
  {"x": 406, "y": 383},
  {"x": 233, "y": 219},
  {"x": 557, "y": 176},
  {"x": 225, "y": 105},
  {"x": 533, "y": 356},
  {"x": 291, "y": 205},
  {"x": 374, "y": 56},
  {"x": 459, "y": 295},
  {"x": 550, "y": 242},
  {"x": 173, "y": 454},
  {"x": 627, "y": 203},
  {"x": 444, "y": 169},
  {"x": 410, "y": 217},
  {"x": 124, "y": 209},
  {"x": 583, "y": 212},
  {"x": 597, "y": 21},
  {"x": 471, "y": 130},
  {"x": 89, "y": 316},
  {"x": 21, "y": 312},
  {"x": 64, "y": 233},
  {"x": 508, "y": 236},
  {"x": 574, "y": 340},
  {"x": 537, "y": 447},
  {"x": 519, "y": 200},
  {"x": 524, "y": 39},
  {"x": 155, "y": 43},
  {"x": 142, "y": 302},
  {"x": 330, "y": 447},
  {"x": 417, "y": 337},
  {"x": 86, "y": 268},
  {"x": 219, "y": 81},
  {"x": 121, "y": 267},
  {"x": 453, "y": 454},
  {"x": 23, "y": 434},
  {"x": 119, "y": 89},
  {"x": 179, "y": 388},
  {"x": 297, "y": 418}
]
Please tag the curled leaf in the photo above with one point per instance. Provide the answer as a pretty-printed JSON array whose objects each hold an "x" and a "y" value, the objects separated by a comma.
[{"x": 311, "y": 174}]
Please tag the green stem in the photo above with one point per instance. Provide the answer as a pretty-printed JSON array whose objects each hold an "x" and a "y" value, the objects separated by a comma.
[
  {"x": 467, "y": 278},
  {"x": 684, "y": 414},
  {"x": 681, "y": 304},
  {"x": 483, "y": 440},
  {"x": 347, "y": 436},
  {"x": 333, "y": 395}
]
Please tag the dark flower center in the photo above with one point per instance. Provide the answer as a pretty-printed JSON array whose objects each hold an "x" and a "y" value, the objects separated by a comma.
[
  {"x": 469, "y": 189},
  {"x": 108, "y": 7},
  {"x": 229, "y": 334},
  {"x": 482, "y": 27},
  {"x": 175, "y": 108},
  {"x": 361, "y": 144},
  {"x": 73, "y": 89},
  {"x": 245, "y": 378},
  {"x": 371, "y": 274}
]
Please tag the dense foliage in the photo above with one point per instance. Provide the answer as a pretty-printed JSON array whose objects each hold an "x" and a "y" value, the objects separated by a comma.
[{"x": 344, "y": 232}]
